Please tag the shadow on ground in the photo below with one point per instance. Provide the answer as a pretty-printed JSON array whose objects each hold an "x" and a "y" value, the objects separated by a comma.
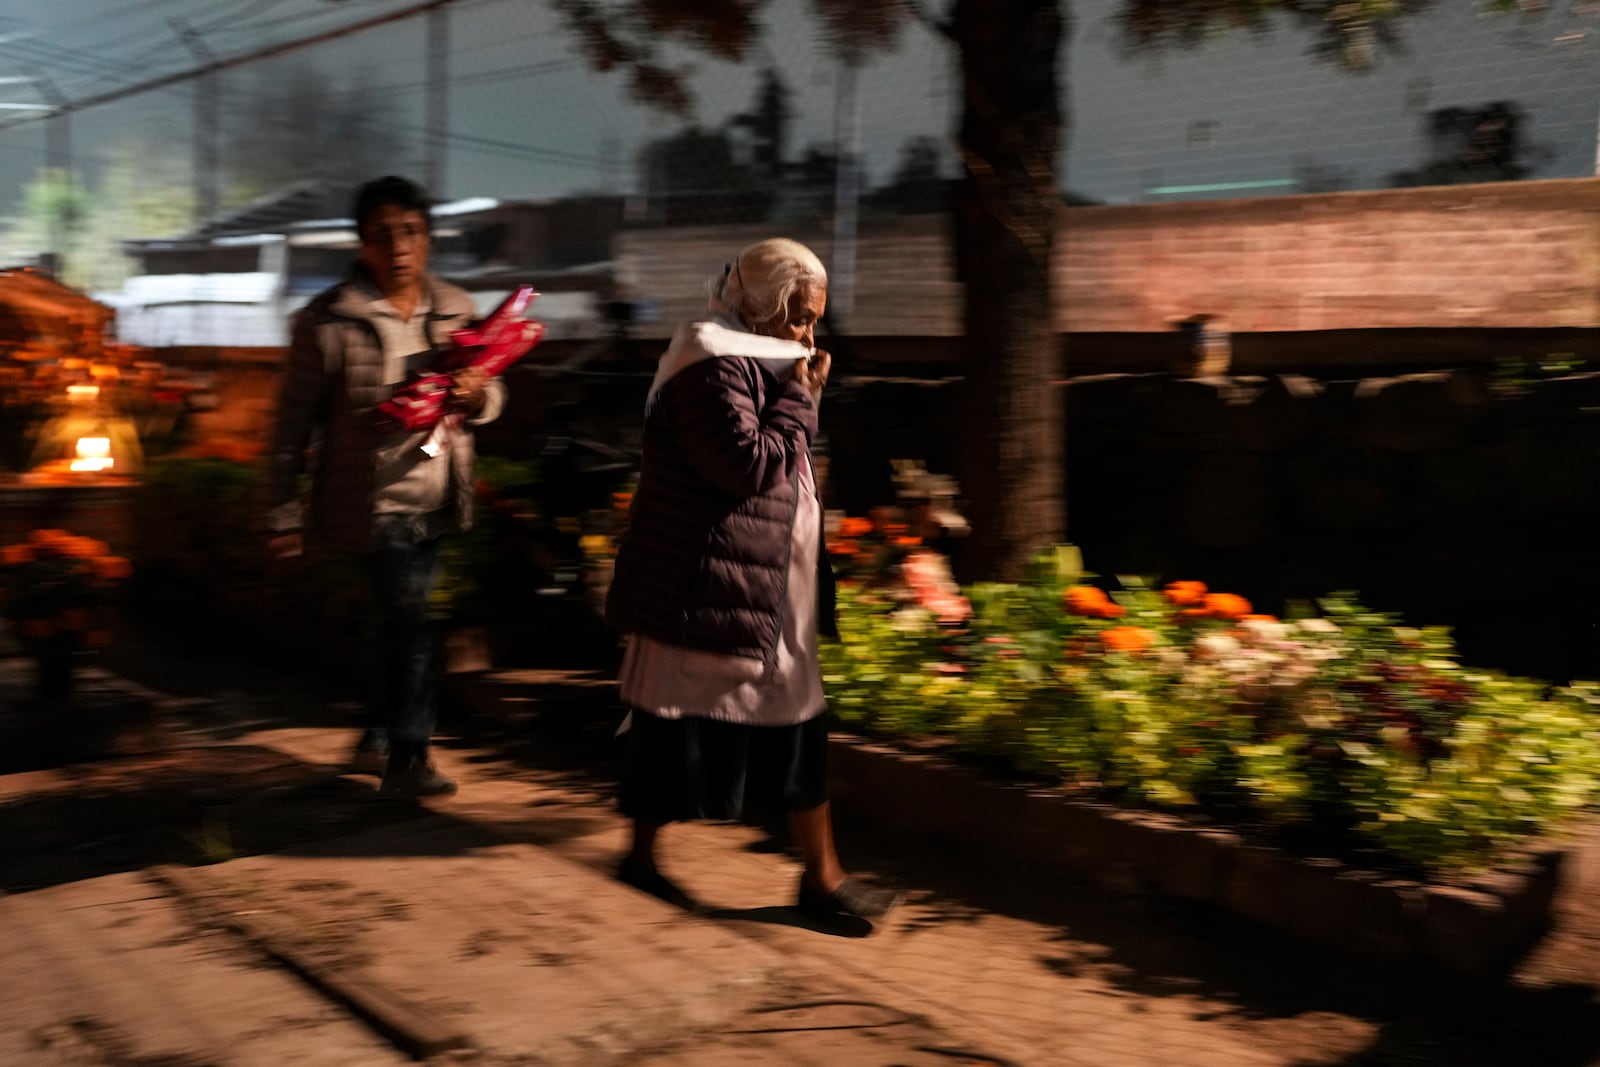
[{"x": 214, "y": 803}]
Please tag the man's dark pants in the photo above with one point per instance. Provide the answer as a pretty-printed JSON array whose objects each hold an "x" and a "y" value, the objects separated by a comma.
[{"x": 403, "y": 704}]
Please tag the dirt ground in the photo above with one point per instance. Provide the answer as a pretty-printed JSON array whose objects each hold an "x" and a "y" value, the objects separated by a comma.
[{"x": 496, "y": 912}]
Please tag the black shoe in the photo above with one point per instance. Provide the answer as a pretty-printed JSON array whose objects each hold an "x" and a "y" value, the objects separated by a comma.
[
  {"x": 415, "y": 776},
  {"x": 652, "y": 881},
  {"x": 852, "y": 899}
]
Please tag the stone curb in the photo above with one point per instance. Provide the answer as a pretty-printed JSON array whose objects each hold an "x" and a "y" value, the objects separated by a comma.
[{"x": 1478, "y": 925}]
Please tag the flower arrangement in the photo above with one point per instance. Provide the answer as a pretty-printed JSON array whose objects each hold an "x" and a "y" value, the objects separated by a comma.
[
  {"x": 1338, "y": 729},
  {"x": 874, "y": 549},
  {"x": 54, "y": 582},
  {"x": 48, "y": 393}
]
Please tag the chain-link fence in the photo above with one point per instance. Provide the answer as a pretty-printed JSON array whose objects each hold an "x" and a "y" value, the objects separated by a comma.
[{"x": 104, "y": 140}]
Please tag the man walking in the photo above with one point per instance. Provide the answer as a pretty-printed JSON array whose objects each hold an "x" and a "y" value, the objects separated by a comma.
[{"x": 386, "y": 496}]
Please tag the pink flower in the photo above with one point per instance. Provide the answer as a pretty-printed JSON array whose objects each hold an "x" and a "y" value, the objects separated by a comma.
[{"x": 949, "y": 607}]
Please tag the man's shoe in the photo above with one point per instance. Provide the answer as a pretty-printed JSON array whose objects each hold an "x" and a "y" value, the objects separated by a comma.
[
  {"x": 852, "y": 899},
  {"x": 373, "y": 761},
  {"x": 415, "y": 777}
]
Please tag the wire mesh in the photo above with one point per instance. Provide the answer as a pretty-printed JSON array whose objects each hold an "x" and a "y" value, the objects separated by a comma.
[{"x": 1463, "y": 96}]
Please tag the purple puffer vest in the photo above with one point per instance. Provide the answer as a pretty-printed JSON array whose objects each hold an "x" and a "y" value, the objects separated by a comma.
[{"x": 705, "y": 561}]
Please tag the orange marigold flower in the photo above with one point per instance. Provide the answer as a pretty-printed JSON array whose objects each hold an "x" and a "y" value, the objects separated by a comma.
[
  {"x": 855, "y": 527},
  {"x": 1227, "y": 605},
  {"x": 1085, "y": 600},
  {"x": 230, "y": 449},
  {"x": 843, "y": 548},
  {"x": 1186, "y": 594},
  {"x": 1258, "y": 618},
  {"x": 908, "y": 542},
  {"x": 16, "y": 555},
  {"x": 80, "y": 547},
  {"x": 1091, "y": 601},
  {"x": 47, "y": 537},
  {"x": 112, "y": 568},
  {"x": 1126, "y": 638},
  {"x": 894, "y": 529}
]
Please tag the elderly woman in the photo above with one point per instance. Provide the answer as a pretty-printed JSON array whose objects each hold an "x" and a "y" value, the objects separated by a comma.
[{"x": 722, "y": 586}]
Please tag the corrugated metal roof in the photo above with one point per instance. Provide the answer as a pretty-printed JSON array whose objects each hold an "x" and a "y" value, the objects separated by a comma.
[{"x": 277, "y": 210}]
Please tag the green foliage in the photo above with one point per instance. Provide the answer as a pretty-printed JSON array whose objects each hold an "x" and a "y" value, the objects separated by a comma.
[
  {"x": 49, "y": 216},
  {"x": 476, "y": 569},
  {"x": 1342, "y": 729},
  {"x": 140, "y": 194},
  {"x": 204, "y": 575},
  {"x": 1516, "y": 376},
  {"x": 1349, "y": 33},
  {"x": 196, "y": 520}
]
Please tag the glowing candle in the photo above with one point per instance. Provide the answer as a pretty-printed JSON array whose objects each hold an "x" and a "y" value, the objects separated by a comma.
[{"x": 94, "y": 454}]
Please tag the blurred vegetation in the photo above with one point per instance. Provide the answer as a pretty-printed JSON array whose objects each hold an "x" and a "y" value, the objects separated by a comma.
[
  {"x": 1340, "y": 731},
  {"x": 203, "y": 575}
]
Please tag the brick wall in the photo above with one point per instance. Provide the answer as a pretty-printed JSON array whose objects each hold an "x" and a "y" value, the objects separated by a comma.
[
  {"x": 1513, "y": 254},
  {"x": 905, "y": 275}
]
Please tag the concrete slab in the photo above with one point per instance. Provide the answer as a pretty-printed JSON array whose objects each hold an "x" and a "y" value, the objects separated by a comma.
[
  {"x": 527, "y": 954},
  {"x": 108, "y": 971}
]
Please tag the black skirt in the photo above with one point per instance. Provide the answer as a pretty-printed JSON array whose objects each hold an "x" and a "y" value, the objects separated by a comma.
[{"x": 704, "y": 769}]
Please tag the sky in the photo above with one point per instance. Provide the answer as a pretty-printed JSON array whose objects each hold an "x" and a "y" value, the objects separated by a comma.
[{"x": 530, "y": 120}]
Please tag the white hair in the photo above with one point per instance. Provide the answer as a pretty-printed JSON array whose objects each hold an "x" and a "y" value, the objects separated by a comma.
[{"x": 763, "y": 279}]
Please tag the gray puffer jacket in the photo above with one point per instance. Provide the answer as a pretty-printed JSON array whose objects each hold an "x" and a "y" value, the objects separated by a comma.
[{"x": 327, "y": 422}]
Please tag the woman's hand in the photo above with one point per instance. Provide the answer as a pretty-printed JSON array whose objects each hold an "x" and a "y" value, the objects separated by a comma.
[{"x": 813, "y": 373}]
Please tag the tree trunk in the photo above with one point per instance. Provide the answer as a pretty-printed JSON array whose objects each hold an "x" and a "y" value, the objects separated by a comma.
[{"x": 1012, "y": 442}]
